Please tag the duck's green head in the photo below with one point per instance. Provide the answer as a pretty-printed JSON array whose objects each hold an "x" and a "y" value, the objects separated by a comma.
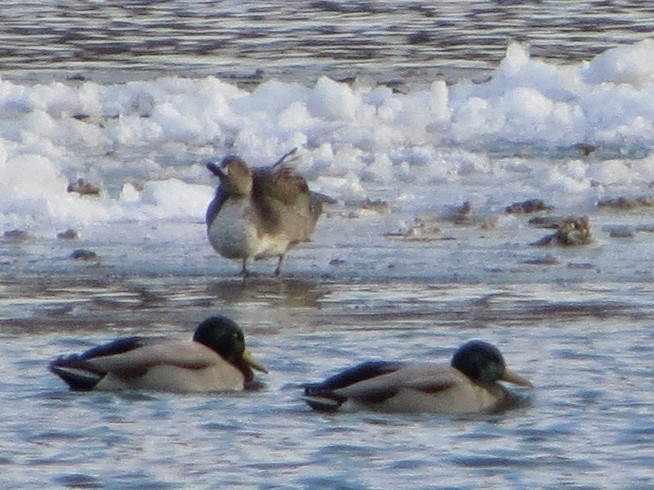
[
  {"x": 225, "y": 337},
  {"x": 483, "y": 362}
]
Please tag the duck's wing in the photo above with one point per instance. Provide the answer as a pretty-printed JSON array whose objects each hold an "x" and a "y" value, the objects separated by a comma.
[
  {"x": 425, "y": 378},
  {"x": 120, "y": 346},
  {"x": 130, "y": 357},
  {"x": 80, "y": 373},
  {"x": 356, "y": 374},
  {"x": 279, "y": 183},
  {"x": 286, "y": 205},
  {"x": 135, "y": 362},
  {"x": 325, "y": 396}
]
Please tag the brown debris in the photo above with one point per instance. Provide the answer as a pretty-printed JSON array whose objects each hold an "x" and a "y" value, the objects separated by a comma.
[
  {"x": 545, "y": 260},
  {"x": 17, "y": 235},
  {"x": 421, "y": 229},
  {"x": 585, "y": 148},
  {"x": 527, "y": 207},
  {"x": 83, "y": 254},
  {"x": 337, "y": 262},
  {"x": 548, "y": 222},
  {"x": 84, "y": 188},
  {"x": 619, "y": 231},
  {"x": 378, "y": 206},
  {"x": 626, "y": 203},
  {"x": 572, "y": 231},
  {"x": 69, "y": 234},
  {"x": 462, "y": 214}
]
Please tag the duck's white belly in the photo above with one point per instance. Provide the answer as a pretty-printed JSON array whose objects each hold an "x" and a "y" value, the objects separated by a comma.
[{"x": 233, "y": 234}]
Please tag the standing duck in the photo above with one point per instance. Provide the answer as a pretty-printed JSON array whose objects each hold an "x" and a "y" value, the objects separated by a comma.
[
  {"x": 468, "y": 385},
  {"x": 215, "y": 360},
  {"x": 260, "y": 213}
]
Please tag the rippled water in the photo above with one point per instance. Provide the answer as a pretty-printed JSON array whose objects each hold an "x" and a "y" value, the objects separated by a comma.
[
  {"x": 387, "y": 40},
  {"x": 580, "y": 331},
  {"x": 588, "y": 425}
]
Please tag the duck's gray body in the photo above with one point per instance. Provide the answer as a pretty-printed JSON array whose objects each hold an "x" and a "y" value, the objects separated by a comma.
[
  {"x": 468, "y": 386},
  {"x": 216, "y": 360},
  {"x": 259, "y": 213}
]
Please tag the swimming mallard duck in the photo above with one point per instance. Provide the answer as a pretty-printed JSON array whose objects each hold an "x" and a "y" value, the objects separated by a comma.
[
  {"x": 216, "y": 360},
  {"x": 467, "y": 385},
  {"x": 260, "y": 213}
]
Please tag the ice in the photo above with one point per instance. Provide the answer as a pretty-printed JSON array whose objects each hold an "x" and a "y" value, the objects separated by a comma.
[
  {"x": 535, "y": 128},
  {"x": 632, "y": 65}
]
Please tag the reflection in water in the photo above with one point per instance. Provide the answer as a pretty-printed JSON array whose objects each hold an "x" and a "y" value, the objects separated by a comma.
[
  {"x": 288, "y": 292},
  {"x": 70, "y": 301}
]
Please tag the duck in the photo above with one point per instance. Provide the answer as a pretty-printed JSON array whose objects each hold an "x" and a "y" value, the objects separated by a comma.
[
  {"x": 468, "y": 385},
  {"x": 215, "y": 360},
  {"x": 260, "y": 213}
]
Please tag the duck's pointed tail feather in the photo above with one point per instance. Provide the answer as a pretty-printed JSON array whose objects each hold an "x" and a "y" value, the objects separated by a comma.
[
  {"x": 76, "y": 373},
  {"x": 321, "y": 399}
]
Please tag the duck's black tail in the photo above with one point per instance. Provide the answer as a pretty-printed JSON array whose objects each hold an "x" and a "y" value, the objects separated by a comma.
[
  {"x": 322, "y": 396},
  {"x": 76, "y": 372},
  {"x": 322, "y": 400}
]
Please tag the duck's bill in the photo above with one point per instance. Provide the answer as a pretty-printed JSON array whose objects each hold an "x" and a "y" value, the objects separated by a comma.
[
  {"x": 511, "y": 377},
  {"x": 216, "y": 170},
  {"x": 253, "y": 362}
]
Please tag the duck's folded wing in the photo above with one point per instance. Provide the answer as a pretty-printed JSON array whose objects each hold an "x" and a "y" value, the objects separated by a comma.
[
  {"x": 430, "y": 379},
  {"x": 120, "y": 346},
  {"x": 279, "y": 183},
  {"x": 356, "y": 374},
  {"x": 324, "y": 396},
  {"x": 136, "y": 362}
]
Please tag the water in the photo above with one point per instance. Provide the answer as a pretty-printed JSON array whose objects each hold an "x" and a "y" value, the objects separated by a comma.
[
  {"x": 299, "y": 41},
  {"x": 587, "y": 419},
  {"x": 426, "y": 105}
]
